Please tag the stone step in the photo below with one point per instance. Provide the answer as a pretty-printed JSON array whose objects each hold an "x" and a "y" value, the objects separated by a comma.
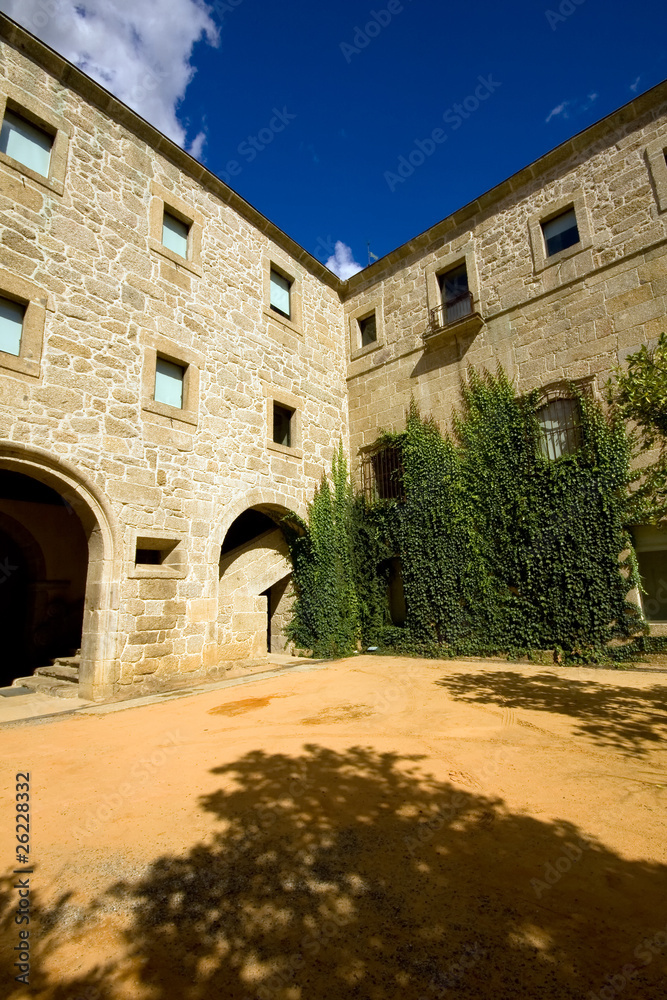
[
  {"x": 48, "y": 685},
  {"x": 61, "y": 669}
]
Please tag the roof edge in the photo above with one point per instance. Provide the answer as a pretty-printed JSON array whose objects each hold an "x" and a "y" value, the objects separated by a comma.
[{"x": 71, "y": 76}]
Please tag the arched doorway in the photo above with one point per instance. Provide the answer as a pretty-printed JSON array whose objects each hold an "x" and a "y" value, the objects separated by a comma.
[
  {"x": 44, "y": 566},
  {"x": 56, "y": 529},
  {"x": 255, "y": 591}
]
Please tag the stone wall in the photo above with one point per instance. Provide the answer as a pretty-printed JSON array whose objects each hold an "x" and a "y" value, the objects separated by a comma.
[{"x": 86, "y": 248}]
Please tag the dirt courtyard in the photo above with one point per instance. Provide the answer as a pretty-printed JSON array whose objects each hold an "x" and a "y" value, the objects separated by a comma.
[{"x": 377, "y": 828}]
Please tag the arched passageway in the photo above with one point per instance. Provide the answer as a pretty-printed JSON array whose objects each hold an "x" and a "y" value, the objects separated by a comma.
[
  {"x": 255, "y": 587},
  {"x": 43, "y": 571}
]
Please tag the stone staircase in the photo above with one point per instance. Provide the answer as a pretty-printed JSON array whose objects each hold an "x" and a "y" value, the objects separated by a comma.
[{"x": 59, "y": 680}]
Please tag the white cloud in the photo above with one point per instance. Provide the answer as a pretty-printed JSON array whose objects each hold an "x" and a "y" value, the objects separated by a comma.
[
  {"x": 634, "y": 87},
  {"x": 140, "y": 50},
  {"x": 197, "y": 145},
  {"x": 560, "y": 109},
  {"x": 342, "y": 262}
]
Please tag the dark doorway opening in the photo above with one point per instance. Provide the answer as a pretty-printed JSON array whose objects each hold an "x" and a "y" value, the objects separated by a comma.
[{"x": 43, "y": 569}]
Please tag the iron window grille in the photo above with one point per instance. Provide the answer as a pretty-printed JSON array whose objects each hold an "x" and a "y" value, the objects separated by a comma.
[
  {"x": 382, "y": 475},
  {"x": 560, "y": 428}
]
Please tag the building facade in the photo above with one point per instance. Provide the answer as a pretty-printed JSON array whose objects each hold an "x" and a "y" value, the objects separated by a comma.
[{"x": 175, "y": 372}]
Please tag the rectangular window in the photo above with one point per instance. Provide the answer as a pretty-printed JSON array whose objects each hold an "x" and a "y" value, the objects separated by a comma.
[
  {"x": 26, "y": 143},
  {"x": 456, "y": 297},
  {"x": 382, "y": 475},
  {"x": 175, "y": 235},
  {"x": 11, "y": 326},
  {"x": 169, "y": 378},
  {"x": 561, "y": 232},
  {"x": 280, "y": 294},
  {"x": 282, "y": 425},
  {"x": 368, "y": 330},
  {"x": 560, "y": 428}
]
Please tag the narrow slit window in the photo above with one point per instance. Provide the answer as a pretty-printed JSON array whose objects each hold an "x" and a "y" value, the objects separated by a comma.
[
  {"x": 282, "y": 425},
  {"x": 368, "y": 330},
  {"x": 12, "y": 316},
  {"x": 26, "y": 143},
  {"x": 561, "y": 232},
  {"x": 455, "y": 293},
  {"x": 560, "y": 428},
  {"x": 175, "y": 235},
  {"x": 280, "y": 294},
  {"x": 149, "y": 557},
  {"x": 169, "y": 380}
]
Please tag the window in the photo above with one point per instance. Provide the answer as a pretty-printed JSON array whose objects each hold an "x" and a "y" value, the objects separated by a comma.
[
  {"x": 560, "y": 428},
  {"x": 280, "y": 294},
  {"x": 175, "y": 234},
  {"x": 455, "y": 294},
  {"x": 382, "y": 475},
  {"x": 560, "y": 232},
  {"x": 11, "y": 326},
  {"x": 158, "y": 557},
  {"x": 169, "y": 379},
  {"x": 282, "y": 425},
  {"x": 368, "y": 330},
  {"x": 26, "y": 143}
]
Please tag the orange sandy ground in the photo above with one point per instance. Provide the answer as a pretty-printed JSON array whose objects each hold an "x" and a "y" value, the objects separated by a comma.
[{"x": 380, "y": 828}]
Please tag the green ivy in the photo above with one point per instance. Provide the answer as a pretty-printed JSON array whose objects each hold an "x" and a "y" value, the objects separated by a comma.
[{"x": 502, "y": 550}]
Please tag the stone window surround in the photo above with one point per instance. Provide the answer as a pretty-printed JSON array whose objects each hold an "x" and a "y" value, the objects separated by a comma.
[
  {"x": 576, "y": 201},
  {"x": 37, "y": 114},
  {"x": 163, "y": 200},
  {"x": 447, "y": 260},
  {"x": 371, "y": 304},
  {"x": 35, "y": 301},
  {"x": 187, "y": 359},
  {"x": 173, "y": 568},
  {"x": 278, "y": 395},
  {"x": 655, "y": 154},
  {"x": 277, "y": 261}
]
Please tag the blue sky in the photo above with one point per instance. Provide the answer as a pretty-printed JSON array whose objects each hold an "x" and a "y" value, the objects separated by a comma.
[{"x": 307, "y": 110}]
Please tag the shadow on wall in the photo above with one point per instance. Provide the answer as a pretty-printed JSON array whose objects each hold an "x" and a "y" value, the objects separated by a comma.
[
  {"x": 355, "y": 875},
  {"x": 632, "y": 720}
]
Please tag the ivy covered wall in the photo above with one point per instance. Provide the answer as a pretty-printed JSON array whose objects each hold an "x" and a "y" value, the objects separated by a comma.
[{"x": 499, "y": 548}]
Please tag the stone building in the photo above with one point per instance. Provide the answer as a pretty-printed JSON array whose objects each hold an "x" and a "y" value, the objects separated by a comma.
[{"x": 175, "y": 371}]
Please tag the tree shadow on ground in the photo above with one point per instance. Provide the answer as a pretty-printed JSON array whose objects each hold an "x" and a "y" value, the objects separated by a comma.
[
  {"x": 354, "y": 874},
  {"x": 633, "y": 720}
]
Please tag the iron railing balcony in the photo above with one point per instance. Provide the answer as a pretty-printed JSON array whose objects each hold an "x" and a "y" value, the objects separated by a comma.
[{"x": 450, "y": 312}]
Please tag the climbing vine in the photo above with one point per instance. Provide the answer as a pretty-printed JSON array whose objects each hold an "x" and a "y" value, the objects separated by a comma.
[{"x": 500, "y": 548}]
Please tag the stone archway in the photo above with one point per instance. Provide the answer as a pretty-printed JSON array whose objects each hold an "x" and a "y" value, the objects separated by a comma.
[
  {"x": 254, "y": 581},
  {"x": 82, "y": 501}
]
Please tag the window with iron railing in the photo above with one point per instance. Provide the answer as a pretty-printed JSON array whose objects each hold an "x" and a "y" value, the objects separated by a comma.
[
  {"x": 382, "y": 475},
  {"x": 456, "y": 298}
]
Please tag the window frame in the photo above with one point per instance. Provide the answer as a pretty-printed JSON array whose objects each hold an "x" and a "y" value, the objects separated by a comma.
[
  {"x": 162, "y": 347},
  {"x": 288, "y": 269},
  {"x": 447, "y": 260},
  {"x": 35, "y": 113},
  {"x": 276, "y": 396},
  {"x": 366, "y": 305},
  {"x": 34, "y": 301},
  {"x": 656, "y": 157},
  {"x": 576, "y": 202},
  {"x": 554, "y": 397},
  {"x": 289, "y": 282},
  {"x": 164, "y": 201}
]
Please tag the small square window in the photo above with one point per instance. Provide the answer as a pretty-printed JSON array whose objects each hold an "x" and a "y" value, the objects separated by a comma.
[
  {"x": 280, "y": 294},
  {"x": 282, "y": 425},
  {"x": 560, "y": 428},
  {"x": 26, "y": 143},
  {"x": 169, "y": 379},
  {"x": 11, "y": 326},
  {"x": 175, "y": 234},
  {"x": 455, "y": 294},
  {"x": 561, "y": 232},
  {"x": 368, "y": 330}
]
